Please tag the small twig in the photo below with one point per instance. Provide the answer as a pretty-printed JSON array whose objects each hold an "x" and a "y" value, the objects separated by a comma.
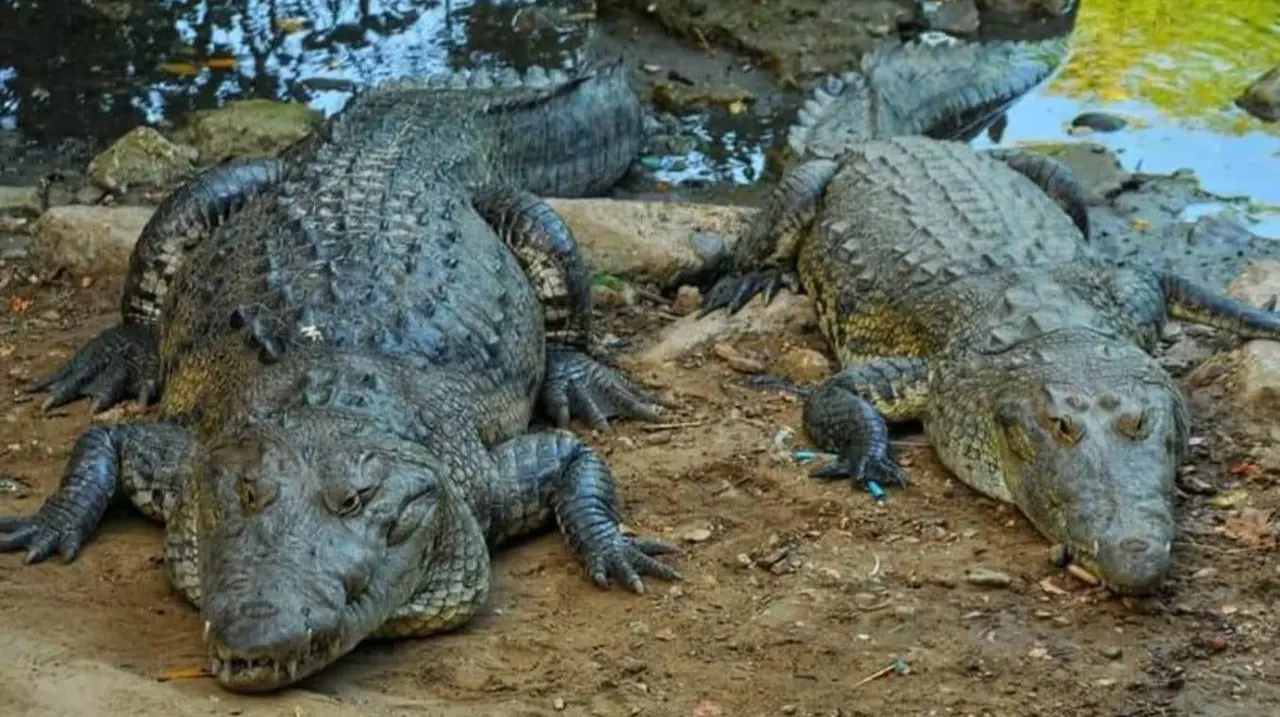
[
  {"x": 894, "y": 666},
  {"x": 706, "y": 46},
  {"x": 183, "y": 673},
  {"x": 651, "y": 427}
]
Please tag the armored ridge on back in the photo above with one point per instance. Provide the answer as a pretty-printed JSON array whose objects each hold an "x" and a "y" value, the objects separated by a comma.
[
  {"x": 956, "y": 291},
  {"x": 348, "y": 344}
]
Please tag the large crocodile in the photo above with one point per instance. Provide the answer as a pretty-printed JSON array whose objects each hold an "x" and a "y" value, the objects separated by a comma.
[
  {"x": 956, "y": 291},
  {"x": 350, "y": 345}
]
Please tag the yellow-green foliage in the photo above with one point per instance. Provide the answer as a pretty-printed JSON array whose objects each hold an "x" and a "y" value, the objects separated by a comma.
[{"x": 1188, "y": 58}]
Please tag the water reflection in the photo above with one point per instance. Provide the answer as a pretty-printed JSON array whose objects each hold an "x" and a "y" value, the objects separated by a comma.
[{"x": 74, "y": 68}]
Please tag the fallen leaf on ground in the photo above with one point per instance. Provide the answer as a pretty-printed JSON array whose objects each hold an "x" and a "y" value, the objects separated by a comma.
[
  {"x": 1251, "y": 527},
  {"x": 183, "y": 673},
  {"x": 19, "y": 305}
]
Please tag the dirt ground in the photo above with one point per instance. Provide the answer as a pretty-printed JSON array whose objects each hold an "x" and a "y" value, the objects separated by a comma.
[{"x": 795, "y": 591}]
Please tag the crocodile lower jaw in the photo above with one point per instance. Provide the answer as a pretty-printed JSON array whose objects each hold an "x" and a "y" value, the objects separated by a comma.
[{"x": 241, "y": 671}]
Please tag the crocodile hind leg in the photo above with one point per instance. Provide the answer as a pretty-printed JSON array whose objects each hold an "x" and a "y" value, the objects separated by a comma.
[
  {"x": 847, "y": 415},
  {"x": 121, "y": 361},
  {"x": 577, "y": 385},
  {"x": 773, "y": 236},
  {"x": 1055, "y": 178},
  {"x": 554, "y": 473},
  {"x": 145, "y": 461},
  {"x": 1191, "y": 302}
]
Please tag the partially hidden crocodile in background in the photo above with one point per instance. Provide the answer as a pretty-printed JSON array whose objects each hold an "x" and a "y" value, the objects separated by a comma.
[
  {"x": 348, "y": 344},
  {"x": 959, "y": 287}
]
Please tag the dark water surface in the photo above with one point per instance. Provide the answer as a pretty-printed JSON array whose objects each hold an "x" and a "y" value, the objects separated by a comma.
[{"x": 94, "y": 69}]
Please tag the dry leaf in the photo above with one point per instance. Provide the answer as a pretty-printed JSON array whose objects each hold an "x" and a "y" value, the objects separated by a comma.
[
  {"x": 19, "y": 304},
  {"x": 1049, "y": 586},
  {"x": 181, "y": 69},
  {"x": 1246, "y": 469},
  {"x": 1251, "y": 527},
  {"x": 1233, "y": 499},
  {"x": 221, "y": 63}
]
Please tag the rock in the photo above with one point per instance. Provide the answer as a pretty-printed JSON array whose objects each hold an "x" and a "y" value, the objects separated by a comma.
[
  {"x": 987, "y": 578},
  {"x": 1255, "y": 378},
  {"x": 247, "y": 128},
  {"x": 688, "y": 300},
  {"x": 1099, "y": 122},
  {"x": 1254, "y": 370},
  {"x": 803, "y": 365},
  {"x": 648, "y": 241},
  {"x": 955, "y": 17},
  {"x": 88, "y": 240},
  {"x": 143, "y": 157},
  {"x": 737, "y": 360},
  {"x": 1097, "y": 168},
  {"x": 1262, "y": 98},
  {"x": 1258, "y": 284},
  {"x": 697, "y": 535},
  {"x": 787, "y": 313},
  {"x": 19, "y": 201},
  {"x": 610, "y": 293}
]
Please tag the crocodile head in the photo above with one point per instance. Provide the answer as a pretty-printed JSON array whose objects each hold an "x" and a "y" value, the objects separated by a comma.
[
  {"x": 312, "y": 531},
  {"x": 1086, "y": 440}
]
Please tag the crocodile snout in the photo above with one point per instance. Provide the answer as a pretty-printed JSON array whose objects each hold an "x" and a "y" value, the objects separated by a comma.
[{"x": 1134, "y": 564}]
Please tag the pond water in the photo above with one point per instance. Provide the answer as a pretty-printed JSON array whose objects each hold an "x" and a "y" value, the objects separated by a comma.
[{"x": 97, "y": 68}]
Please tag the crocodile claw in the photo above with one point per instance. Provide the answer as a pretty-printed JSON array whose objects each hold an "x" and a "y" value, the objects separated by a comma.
[
  {"x": 578, "y": 386},
  {"x": 734, "y": 291},
  {"x": 884, "y": 470},
  {"x": 119, "y": 363},
  {"x": 625, "y": 559}
]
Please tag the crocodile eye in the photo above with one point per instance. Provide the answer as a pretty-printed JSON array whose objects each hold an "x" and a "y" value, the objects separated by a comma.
[
  {"x": 350, "y": 505},
  {"x": 1133, "y": 425}
]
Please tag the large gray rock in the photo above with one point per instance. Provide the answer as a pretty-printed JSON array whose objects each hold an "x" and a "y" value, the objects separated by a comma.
[
  {"x": 650, "y": 241},
  {"x": 19, "y": 201},
  {"x": 1262, "y": 98},
  {"x": 634, "y": 240},
  {"x": 141, "y": 158},
  {"x": 88, "y": 239},
  {"x": 247, "y": 128}
]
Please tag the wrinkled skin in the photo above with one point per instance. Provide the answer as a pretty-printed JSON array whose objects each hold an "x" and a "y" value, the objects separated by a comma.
[
  {"x": 303, "y": 553},
  {"x": 1088, "y": 454}
]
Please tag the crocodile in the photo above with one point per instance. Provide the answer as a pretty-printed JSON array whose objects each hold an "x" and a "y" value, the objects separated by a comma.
[
  {"x": 959, "y": 288},
  {"x": 348, "y": 344}
]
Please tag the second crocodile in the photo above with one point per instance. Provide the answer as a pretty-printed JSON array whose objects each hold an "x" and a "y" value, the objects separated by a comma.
[
  {"x": 957, "y": 291},
  {"x": 348, "y": 344}
]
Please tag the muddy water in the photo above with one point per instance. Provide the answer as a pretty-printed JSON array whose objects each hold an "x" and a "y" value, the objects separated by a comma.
[{"x": 1171, "y": 68}]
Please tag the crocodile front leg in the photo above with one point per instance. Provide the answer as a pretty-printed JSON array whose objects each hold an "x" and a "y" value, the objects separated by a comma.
[
  {"x": 773, "y": 237},
  {"x": 146, "y": 460},
  {"x": 555, "y": 473},
  {"x": 847, "y": 413},
  {"x": 1194, "y": 303},
  {"x": 1053, "y": 177},
  {"x": 122, "y": 361},
  {"x": 576, "y": 385}
]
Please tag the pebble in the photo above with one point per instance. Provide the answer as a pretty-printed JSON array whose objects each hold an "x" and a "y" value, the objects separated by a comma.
[
  {"x": 803, "y": 365},
  {"x": 1112, "y": 652},
  {"x": 1262, "y": 98},
  {"x": 987, "y": 578},
  {"x": 558, "y": 704},
  {"x": 698, "y": 535},
  {"x": 737, "y": 360},
  {"x": 1099, "y": 121},
  {"x": 688, "y": 300},
  {"x": 613, "y": 295}
]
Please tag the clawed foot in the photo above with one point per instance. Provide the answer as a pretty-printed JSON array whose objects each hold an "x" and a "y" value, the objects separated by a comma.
[
  {"x": 119, "y": 363},
  {"x": 625, "y": 559},
  {"x": 864, "y": 469},
  {"x": 578, "y": 386},
  {"x": 735, "y": 290},
  {"x": 56, "y": 527}
]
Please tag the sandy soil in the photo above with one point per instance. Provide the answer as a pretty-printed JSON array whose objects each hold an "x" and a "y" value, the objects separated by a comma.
[{"x": 801, "y": 590}]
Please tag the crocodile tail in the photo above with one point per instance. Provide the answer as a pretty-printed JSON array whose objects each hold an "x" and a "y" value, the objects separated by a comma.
[{"x": 945, "y": 91}]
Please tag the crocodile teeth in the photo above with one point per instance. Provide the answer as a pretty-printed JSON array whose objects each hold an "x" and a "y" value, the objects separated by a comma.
[
  {"x": 208, "y": 626},
  {"x": 215, "y": 666},
  {"x": 558, "y": 76},
  {"x": 535, "y": 76},
  {"x": 291, "y": 668}
]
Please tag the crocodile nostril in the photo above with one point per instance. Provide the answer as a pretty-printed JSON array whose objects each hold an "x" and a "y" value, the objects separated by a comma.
[
  {"x": 258, "y": 610},
  {"x": 1135, "y": 545}
]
